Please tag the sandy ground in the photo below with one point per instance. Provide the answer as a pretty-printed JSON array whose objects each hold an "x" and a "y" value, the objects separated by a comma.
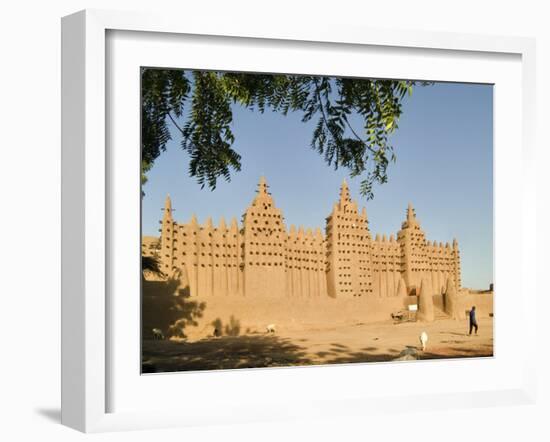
[{"x": 354, "y": 343}]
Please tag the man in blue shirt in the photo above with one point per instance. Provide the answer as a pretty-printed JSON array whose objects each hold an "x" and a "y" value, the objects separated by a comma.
[{"x": 473, "y": 320}]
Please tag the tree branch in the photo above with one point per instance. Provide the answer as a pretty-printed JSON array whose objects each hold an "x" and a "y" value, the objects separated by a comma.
[
  {"x": 321, "y": 103},
  {"x": 175, "y": 124},
  {"x": 325, "y": 120}
]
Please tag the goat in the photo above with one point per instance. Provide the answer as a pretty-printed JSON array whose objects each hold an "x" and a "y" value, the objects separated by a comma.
[
  {"x": 270, "y": 328},
  {"x": 157, "y": 334},
  {"x": 423, "y": 340}
]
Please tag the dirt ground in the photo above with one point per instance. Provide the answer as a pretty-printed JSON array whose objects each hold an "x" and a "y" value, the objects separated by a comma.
[{"x": 339, "y": 345}]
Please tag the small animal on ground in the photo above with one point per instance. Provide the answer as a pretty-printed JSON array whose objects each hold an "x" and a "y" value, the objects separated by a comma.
[
  {"x": 423, "y": 340},
  {"x": 270, "y": 328},
  {"x": 157, "y": 334}
]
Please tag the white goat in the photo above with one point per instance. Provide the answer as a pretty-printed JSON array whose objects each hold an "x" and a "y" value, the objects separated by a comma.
[
  {"x": 157, "y": 334},
  {"x": 423, "y": 340},
  {"x": 270, "y": 328}
]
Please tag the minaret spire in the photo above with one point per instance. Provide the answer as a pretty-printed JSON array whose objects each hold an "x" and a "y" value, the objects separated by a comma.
[
  {"x": 167, "y": 208},
  {"x": 262, "y": 194},
  {"x": 411, "y": 220},
  {"x": 262, "y": 186},
  {"x": 345, "y": 197},
  {"x": 344, "y": 192},
  {"x": 410, "y": 213}
]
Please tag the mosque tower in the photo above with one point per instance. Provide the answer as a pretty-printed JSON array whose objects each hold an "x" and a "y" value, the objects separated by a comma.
[
  {"x": 348, "y": 249},
  {"x": 167, "y": 238},
  {"x": 264, "y": 246},
  {"x": 414, "y": 258}
]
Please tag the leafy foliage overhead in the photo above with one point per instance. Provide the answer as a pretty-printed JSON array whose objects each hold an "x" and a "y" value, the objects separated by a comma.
[{"x": 199, "y": 104}]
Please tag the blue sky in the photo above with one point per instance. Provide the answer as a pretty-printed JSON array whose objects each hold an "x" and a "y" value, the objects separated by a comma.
[{"x": 444, "y": 167}]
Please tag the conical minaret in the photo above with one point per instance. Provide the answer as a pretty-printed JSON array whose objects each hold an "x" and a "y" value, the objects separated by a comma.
[
  {"x": 456, "y": 265},
  {"x": 167, "y": 237},
  {"x": 410, "y": 212},
  {"x": 411, "y": 220},
  {"x": 348, "y": 249},
  {"x": 262, "y": 194},
  {"x": 262, "y": 185},
  {"x": 344, "y": 195},
  {"x": 264, "y": 240},
  {"x": 412, "y": 241},
  {"x": 167, "y": 208}
]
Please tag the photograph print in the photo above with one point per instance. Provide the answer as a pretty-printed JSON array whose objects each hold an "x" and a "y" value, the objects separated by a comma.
[{"x": 297, "y": 220}]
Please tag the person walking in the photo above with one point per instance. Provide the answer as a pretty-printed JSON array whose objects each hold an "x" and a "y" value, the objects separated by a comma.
[{"x": 473, "y": 320}]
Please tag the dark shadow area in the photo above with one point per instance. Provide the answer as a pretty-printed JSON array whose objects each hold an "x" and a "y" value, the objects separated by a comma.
[
  {"x": 363, "y": 356},
  {"x": 409, "y": 353},
  {"x": 323, "y": 354},
  {"x": 226, "y": 352},
  {"x": 217, "y": 327},
  {"x": 233, "y": 328},
  {"x": 339, "y": 350},
  {"x": 168, "y": 307},
  {"x": 51, "y": 414},
  {"x": 255, "y": 351}
]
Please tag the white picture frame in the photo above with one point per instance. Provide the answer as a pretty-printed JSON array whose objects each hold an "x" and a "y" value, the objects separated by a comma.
[{"x": 87, "y": 209}]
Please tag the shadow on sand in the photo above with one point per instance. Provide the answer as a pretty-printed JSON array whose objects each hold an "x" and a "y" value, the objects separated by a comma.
[
  {"x": 255, "y": 351},
  {"x": 222, "y": 353}
]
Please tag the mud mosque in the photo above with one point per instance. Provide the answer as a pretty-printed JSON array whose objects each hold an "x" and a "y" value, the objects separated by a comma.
[
  {"x": 258, "y": 272},
  {"x": 261, "y": 258}
]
